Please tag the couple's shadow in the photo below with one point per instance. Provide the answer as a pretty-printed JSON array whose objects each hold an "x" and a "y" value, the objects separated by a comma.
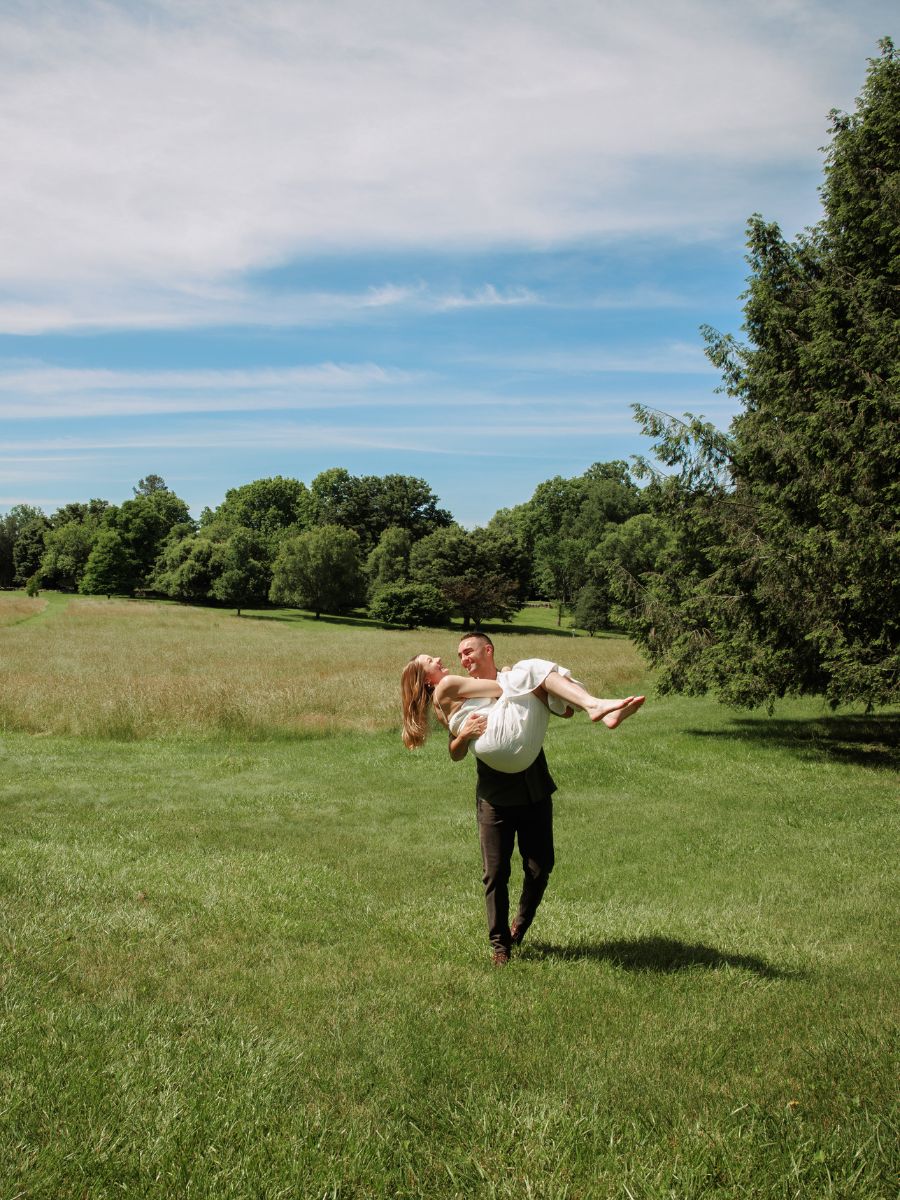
[{"x": 661, "y": 955}]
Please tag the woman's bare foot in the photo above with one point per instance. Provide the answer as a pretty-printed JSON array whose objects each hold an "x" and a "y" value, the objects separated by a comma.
[
  {"x": 599, "y": 710},
  {"x": 627, "y": 709}
]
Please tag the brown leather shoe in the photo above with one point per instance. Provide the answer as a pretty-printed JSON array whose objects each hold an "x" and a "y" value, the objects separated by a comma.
[
  {"x": 516, "y": 933},
  {"x": 499, "y": 957}
]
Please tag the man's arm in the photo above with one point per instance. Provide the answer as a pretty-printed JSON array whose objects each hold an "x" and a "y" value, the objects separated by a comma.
[{"x": 473, "y": 727}]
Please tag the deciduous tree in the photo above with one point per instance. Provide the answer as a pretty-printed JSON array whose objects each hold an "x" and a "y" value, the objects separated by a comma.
[
  {"x": 11, "y": 526},
  {"x": 239, "y": 570},
  {"x": 319, "y": 570},
  {"x": 111, "y": 567}
]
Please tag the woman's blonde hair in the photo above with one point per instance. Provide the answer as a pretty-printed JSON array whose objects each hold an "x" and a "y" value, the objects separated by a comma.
[{"x": 415, "y": 692}]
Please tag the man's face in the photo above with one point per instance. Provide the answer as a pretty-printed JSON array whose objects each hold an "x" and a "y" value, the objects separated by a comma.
[{"x": 476, "y": 657}]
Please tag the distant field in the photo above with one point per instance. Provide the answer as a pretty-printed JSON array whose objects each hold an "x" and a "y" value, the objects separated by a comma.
[
  {"x": 240, "y": 959},
  {"x": 130, "y": 669}
]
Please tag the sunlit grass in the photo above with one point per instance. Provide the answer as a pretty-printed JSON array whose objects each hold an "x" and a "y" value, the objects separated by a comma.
[{"x": 242, "y": 960}]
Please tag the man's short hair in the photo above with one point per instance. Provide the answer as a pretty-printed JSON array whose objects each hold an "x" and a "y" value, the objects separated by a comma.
[{"x": 476, "y": 633}]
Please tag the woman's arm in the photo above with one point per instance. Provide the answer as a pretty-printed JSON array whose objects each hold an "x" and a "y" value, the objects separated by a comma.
[{"x": 455, "y": 687}]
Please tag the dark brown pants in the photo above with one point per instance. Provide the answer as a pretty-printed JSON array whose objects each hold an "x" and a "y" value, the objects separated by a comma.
[{"x": 498, "y": 828}]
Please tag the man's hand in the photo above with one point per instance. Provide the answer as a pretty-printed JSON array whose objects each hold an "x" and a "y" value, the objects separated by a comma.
[{"x": 472, "y": 728}]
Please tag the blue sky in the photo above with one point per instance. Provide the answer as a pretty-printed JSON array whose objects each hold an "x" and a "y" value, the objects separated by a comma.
[{"x": 241, "y": 238}]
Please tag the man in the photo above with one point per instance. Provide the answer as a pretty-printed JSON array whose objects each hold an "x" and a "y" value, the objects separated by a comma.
[{"x": 508, "y": 807}]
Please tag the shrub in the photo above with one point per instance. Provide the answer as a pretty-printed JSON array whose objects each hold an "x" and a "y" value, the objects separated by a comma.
[{"x": 409, "y": 605}]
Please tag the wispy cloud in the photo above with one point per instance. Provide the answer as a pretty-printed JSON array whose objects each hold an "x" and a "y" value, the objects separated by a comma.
[
  {"x": 310, "y": 435},
  {"x": 487, "y": 297},
  {"x": 170, "y": 146},
  {"x": 40, "y": 392},
  {"x": 668, "y": 358},
  {"x": 105, "y": 309}
]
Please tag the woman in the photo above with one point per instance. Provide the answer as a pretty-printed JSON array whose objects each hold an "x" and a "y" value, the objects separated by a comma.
[{"x": 517, "y": 705}]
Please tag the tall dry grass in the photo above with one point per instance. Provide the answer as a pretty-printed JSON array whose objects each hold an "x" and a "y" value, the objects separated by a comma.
[
  {"x": 128, "y": 669},
  {"x": 15, "y": 608}
]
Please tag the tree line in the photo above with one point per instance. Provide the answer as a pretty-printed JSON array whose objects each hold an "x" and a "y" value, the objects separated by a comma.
[
  {"x": 755, "y": 563},
  {"x": 344, "y": 542}
]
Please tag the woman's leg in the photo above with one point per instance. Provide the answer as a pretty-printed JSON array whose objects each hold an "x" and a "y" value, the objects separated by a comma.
[{"x": 610, "y": 712}]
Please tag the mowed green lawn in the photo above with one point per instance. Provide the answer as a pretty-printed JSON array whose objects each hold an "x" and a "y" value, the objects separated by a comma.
[{"x": 244, "y": 954}]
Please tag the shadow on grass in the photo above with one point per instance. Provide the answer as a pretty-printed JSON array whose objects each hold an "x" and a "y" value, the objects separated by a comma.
[
  {"x": 868, "y": 741},
  {"x": 664, "y": 956},
  {"x": 515, "y": 630},
  {"x": 456, "y": 632},
  {"x": 306, "y": 618}
]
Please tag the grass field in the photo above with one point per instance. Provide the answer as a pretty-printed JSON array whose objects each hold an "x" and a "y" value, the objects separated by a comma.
[{"x": 244, "y": 951}]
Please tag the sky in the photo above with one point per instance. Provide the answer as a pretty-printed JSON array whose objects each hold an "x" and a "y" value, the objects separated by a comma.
[{"x": 445, "y": 238}]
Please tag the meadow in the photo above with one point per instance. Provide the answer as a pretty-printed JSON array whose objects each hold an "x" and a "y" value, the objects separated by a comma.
[{"x": 243, "y": 945}]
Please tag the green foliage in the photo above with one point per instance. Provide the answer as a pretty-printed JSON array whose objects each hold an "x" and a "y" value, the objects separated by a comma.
[
  {"x": 389, "y": 561},
  {"x": 582, "y": 507},
  {"x": 184, "y": 569},
  {"x": 409, "y": 605},
  {"x": 563, "y": 523},
  {"x": 627, "y": 555},
  {"x": 638, "y": 545},
  {"x": 319, "y": 570},
  {"x": 783, "y": 577},
  {"x": 12, "y": 526},
  {"x": 111, "y": 567},
  {"x": 239, "y": 570},
  {"x": 89, "y": 512},
  {"x": 370, "y": 504},
  {"x": 68, "y": 545},
  {"x": 268, "y": 507},
  {"x": 561, "y": 568},
  {"x": 591, "y": 608},
  {"x": 29, "y": 546},
  {"x": 33, "y": 586},
  {"x": 482, "y": 574},
  {"x": 147, "y": 520}
]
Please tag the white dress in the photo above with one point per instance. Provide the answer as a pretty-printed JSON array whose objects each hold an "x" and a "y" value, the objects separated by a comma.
[{"x": 517, "y": 720}]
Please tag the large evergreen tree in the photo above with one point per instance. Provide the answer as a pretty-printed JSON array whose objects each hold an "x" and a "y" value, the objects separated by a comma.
[{"x": 783, "y": 577}]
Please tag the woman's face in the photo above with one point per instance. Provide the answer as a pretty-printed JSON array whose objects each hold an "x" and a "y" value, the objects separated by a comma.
[{"x": 434, "y": 668}]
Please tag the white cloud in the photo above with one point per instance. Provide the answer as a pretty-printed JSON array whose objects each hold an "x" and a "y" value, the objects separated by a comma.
[
  {"x": 487, "y": 297},
  {"x": 179, "y": 143},
  {"x": 40, "y": 392},
  {"x": 104, "y": 309},
  {"x": 35, "y": 391},
  {"x": 542, "y": 426},
  {"x": 668, "y": 358}
]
